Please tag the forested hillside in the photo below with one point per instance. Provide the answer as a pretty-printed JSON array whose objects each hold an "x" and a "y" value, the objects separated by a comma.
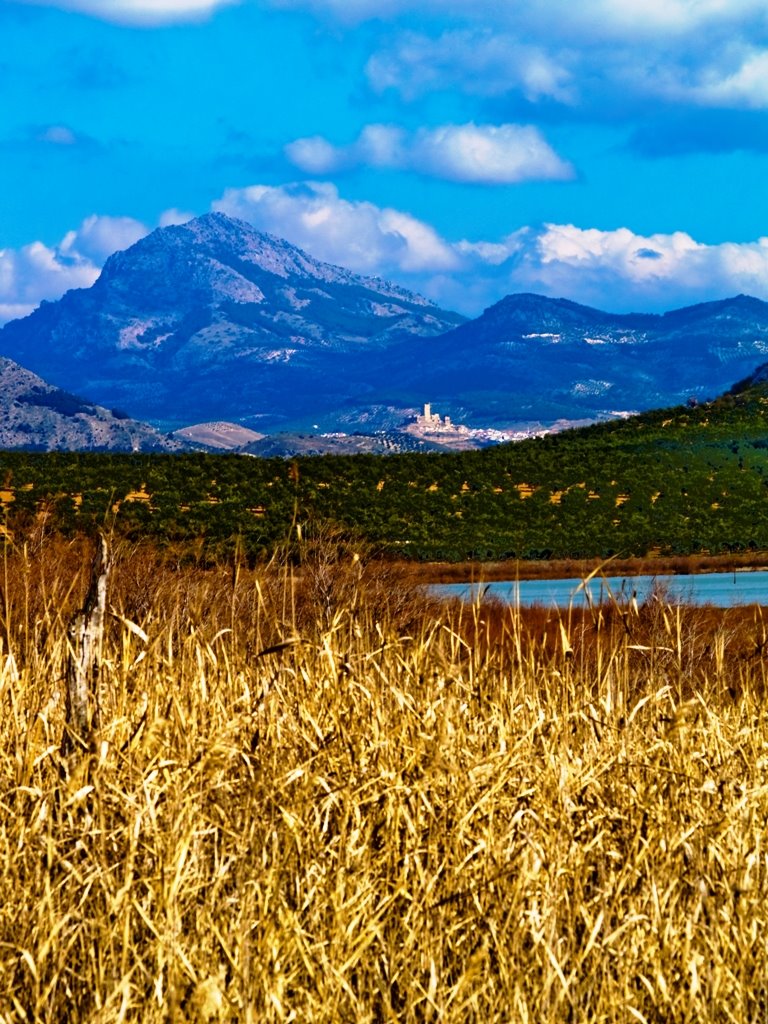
[{"x": 679, "y": 480}]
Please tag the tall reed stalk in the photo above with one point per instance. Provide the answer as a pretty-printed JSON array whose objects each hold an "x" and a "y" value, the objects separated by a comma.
[{"x": 377, "y": 809}]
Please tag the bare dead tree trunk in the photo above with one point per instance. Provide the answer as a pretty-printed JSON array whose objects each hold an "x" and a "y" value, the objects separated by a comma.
[{"x": 86, "y": 635}]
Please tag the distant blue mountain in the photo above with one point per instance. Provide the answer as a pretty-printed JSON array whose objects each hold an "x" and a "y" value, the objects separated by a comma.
[
  {"x": 530, "y": 357},
  {"x": 214, "y": 320}
]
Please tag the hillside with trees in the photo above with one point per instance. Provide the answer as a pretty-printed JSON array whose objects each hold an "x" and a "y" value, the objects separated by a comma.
[{"x": 678, "y": 481}]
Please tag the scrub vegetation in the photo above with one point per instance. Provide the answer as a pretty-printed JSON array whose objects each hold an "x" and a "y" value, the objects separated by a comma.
[{"x": 313, "y": 795}]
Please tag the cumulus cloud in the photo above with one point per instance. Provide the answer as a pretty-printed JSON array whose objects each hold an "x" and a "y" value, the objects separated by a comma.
[
  {"x": 488, "y": 154},
  {"x": 744, "y": 86},
  {"x": 98, "y": 237},
  {"x": 316, "y": 155},
  {"x": 38, "y": 271},
  {"x": 711, "y": 72},
  {"x": 139, "y": 12},
  {"x": 637, "y": 19},
  {"x": 359, "y": 235},
  {"x": 621, "y": 270},
  {"x": 173, "y": 217},
  {"x": 615, "y": 270},
  {"x": 482, "y": 154}
]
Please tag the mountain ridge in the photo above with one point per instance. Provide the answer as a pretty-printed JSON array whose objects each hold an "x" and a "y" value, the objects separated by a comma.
[
  {"x": 214, "y": 321},
  {"x": 533, "y": 357}
]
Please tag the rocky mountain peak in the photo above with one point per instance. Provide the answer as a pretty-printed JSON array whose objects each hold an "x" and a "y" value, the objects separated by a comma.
[
  {"x": 221, "y": 258},
  {"x": 197, "y": 318}
]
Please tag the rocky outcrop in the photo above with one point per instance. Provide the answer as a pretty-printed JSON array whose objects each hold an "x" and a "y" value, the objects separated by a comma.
[{"x": 36, "y": 416}]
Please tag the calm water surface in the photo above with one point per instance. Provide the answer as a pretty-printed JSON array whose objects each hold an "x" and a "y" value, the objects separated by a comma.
[{"x": 723, "y": 589}]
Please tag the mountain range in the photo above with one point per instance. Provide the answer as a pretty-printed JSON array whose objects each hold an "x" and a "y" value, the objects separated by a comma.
[
  {"x": 213, "y": 321},
  {"x": 530, "y": 357}
]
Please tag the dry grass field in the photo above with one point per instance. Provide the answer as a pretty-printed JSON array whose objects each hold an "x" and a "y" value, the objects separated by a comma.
[{"x": 313, "y": 796}]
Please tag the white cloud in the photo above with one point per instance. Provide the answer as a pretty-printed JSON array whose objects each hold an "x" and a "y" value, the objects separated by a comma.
[
  {"x": 615, "y": 270},
  {"x": 735, "y": 78},
  {"x": 174, "y": 217},
  {"x": 482, "y": 154},
  {"x": 745, "y": 86},
  {"x": 14, "y": 310},
  {"x": 139, "y": 12},
  {"x": 705, "y": 71},
  {"x": 483, "y": 62},
  {"x": 623, "y": 270},
  {"x": 38, "y": 271},
  {"x": 488, "y": 154},
  {"x": 629, "y": 18},
  {"x": 316, "y": 155},
  {"x": 358, "y": 235},
  {"x": 98, "y": 237},
  {"x": 383, "y": 145}
]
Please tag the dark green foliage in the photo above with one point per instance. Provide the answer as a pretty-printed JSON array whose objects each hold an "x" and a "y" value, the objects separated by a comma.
[
  {"x": 681, "y": 480},
  {"x": 59, "y": 401}
]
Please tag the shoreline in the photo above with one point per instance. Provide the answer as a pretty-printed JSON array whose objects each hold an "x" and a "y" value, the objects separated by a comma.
[{"x": 514, "y": 569}]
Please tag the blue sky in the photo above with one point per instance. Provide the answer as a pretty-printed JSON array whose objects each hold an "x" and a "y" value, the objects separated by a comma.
[{"x": 611, "y": 151}]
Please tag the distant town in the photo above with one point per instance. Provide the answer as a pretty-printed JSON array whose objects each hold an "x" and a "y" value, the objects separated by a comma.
[{"x": 429, "y": 425}]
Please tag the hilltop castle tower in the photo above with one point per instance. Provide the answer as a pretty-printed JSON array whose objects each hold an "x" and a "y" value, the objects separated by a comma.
[{"x": 432, "y": 421}]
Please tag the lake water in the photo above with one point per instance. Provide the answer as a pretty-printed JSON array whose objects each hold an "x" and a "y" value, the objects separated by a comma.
[{"x": 722, "y": 589}]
